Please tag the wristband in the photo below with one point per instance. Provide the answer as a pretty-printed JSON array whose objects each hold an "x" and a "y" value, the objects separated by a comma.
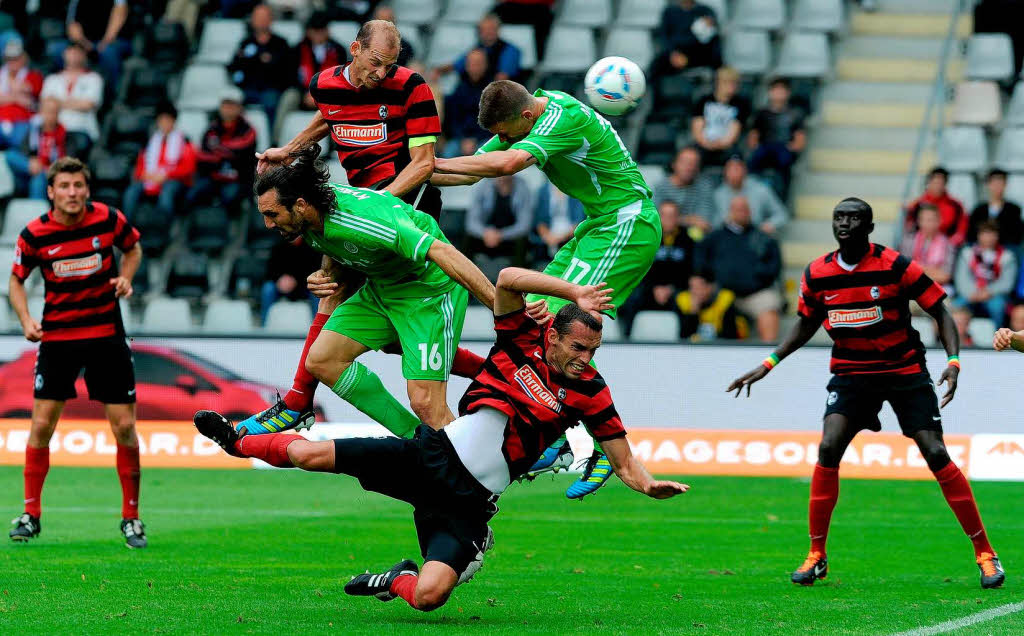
[
  {"x": 953, "y": 361},
  {"x": 771, "y": 362}
]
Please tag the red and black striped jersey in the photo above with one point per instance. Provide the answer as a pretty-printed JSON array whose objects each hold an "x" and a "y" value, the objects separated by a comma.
[
  {"x": 540, "y": 403},
  {"x": 77, "y": 262},
  {"x": 866, "y": 310},
  {"x": 372, "y": 127}
]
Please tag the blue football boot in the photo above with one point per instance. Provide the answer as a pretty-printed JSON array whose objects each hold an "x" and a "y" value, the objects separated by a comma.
[
  {"x": 276, "y": 419},
  {"x": 596, "y": 474}
]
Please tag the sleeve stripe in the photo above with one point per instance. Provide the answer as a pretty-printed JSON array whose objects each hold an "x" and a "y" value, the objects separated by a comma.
[
  {"x": 416, "y": 250},
  {"x": 543, "y": 152},
  {"x": 379, "y": 227},
  {"x": 345, "y": 223},
  {"x": 548, "y": 123}
]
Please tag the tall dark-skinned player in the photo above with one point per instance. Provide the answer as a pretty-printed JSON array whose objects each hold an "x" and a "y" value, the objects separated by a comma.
[{"x": 861, "y": 293}]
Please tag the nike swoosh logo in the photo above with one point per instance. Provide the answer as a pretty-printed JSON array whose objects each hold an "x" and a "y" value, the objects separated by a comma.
[
  {"x": 132, "y": 392},
  {"x": 818, "y": 569},
  {"x": 537, "y": 353},
  {"x": 54, "y": 250},
  {"x": 332, "y": 112},
  {"x": 936, "y": 418},
  {"x": 831, "y": 297}
]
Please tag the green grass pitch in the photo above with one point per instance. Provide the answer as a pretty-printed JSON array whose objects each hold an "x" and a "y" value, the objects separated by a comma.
[{"x": 268, "y": 552}]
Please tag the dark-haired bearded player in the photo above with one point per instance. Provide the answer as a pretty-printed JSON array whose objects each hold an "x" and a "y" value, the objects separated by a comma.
[
  {"x": 535, "y": 383},
  {"x": 861, "y": 293}
]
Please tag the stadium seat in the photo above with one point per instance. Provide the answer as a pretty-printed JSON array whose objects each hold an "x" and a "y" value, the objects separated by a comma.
[
  {"x": 981, "y": 331},
  {"x": 653, "y": 173},
  {"x": 465, "y": 11},
  {"x": 818, "y": 15},
  {"x": 247, "y": 273},
  {"x": 6, "y": 256},
  {"x": 657, "y": 143},
  {"x": 7, "y": 322},
  {"x": 220, "y": 40},
  {"x": 976, "y": 103},
  {"x": 588, "y": 13},
  {"x": 611, "y": 331},
  {"x": 804, "y": 55},
  {"x": 19, "y": 213},
  {"x": 760, "y": 14},
  {"x": 208, "y": 229},
  {"x": 963, "y": 187},
  {"x": 479, "y": 324},
  {"x": 926, "y": 327},
  {"x": 655, "y": 326},
  {"x": 152, "y": 225},
  {"x": 338, "y": 174},
  {"x": 1015, "y": 109},
  {"x": 747, "y": 51},
  {"x": 257, "y": 235},
  {"x": 166, "y": 315},
  {"x": 645, "y": 14},
  {"x": 289, "y": 318},
  {"x": 6, "y": 178},
  {"x": 449, "y": 42},
  {"x": 141, "y": 284},
  {"x": 1015, "y": 187},
  {"x": 228, "y": 316},
  {"x": 144, "y": 85},
  {"x": 1010, "y": 150},
  {"x": 721, "y": 9},
  {"x": 201, "y": 87},
  {"x": 290, "y": 30},
  {"x": 458, "y": 197},
  {"x": 110, "y": 176},
  {"x": 417, "y": 12},
  {"x": 166, "y": 46},
  {"x": 344, "y": 32},
  {"x": 295, "y": 122},
  {"x": 989, "y": 57},
  {"x": 189, "y": 275},
  {"x": 35, "y": 306},
  {"x": 257, "y": 118},
  {"x": 126, "y": 131},
  {"x": 963, "y": 149},
  {"x": 193, "y": 123},
  {"x": 522, "y": 36},
  {"x": 569, "y": 49},
  {"x": 127, "y": 314},
  {"x": 636, "y": 44}
]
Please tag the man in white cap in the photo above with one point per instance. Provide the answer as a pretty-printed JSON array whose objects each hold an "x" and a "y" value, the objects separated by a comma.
[{"x": 225, "y": 159}]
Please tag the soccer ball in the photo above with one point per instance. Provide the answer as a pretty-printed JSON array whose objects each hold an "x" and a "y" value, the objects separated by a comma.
[{"x": 614, "y": 85}]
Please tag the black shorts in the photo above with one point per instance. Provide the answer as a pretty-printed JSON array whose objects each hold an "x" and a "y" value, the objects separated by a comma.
[
  {"x": 860, "y": 399},
  {"x": 109, "y": 370},
  {"x": 451, "y": 508},
  {"x": 424, "y": 197}
]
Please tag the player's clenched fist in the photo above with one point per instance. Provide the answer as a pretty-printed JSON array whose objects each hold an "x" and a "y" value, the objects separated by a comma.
[
  {"x": 321, "y": 284},
  {"x": 1003, "y": 339}
]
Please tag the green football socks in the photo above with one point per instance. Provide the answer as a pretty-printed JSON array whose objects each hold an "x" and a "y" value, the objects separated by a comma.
[{"x": 363, "y": 389}]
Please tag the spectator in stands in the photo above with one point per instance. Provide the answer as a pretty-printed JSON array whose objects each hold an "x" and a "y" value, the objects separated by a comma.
[
  {"x": 669, "y": 272},
  {"x": 690, "y": 190},
  {"x": 746, "y": 261},
  {"x": 962, "y": 318},
  {"x": 953, "y": 217},
  {"x": 1006, "y": 213},
  {"x": 45, "y": 142},
  {"x": 316, "y": 52},
  {"x": 406, "y": 53},
  {"x": 537, "y": 13},
  {"x": 226, "y": 158},
  {"x": 932, "y": 249},
  {"x": 503, "y": 58},
  {"x": 707, "y": 312},
  {"x": 263, "y": 66},
  {"x": 498, "y": 223},
  {"x": 687, "y": 37},
  {"x": 351, "y": 10},
  {"x": 100, "y": 28},
  {"x": 80, "y": 93},
  {"x": 985, "y": 273},
  {"x": 556, "y": 218},
  {"x": 767, "y": 212},
  {"x": 1017, "y": 317},
  {"x": 289, "y": 264},
  {"x": 777, "y": 137},
  {"x": 462, "y": 105},
  {"x": 164, "y": 168},
  {"x": 719, "y": 118},
  {"x": 19, "y": 90}
]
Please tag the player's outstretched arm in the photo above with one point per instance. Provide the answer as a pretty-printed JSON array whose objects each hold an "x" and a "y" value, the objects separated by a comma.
[
  {"x": 635, "y": 475},
  {"x": 488, "y": 164},
  {"x": 513, "y": 282},
  {"x": 311, "y": 134},
  {"x": 463, "y": 271},
  {"x": 1007, "y": 339},
  {"x": 796, "y": 338},
  {"x": 447, "y": 180},
  {"x": 950, "y": 339},
  {"x": 418, "y": 170}
]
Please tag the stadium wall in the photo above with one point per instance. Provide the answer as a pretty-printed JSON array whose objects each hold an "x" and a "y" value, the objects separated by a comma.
[{"x": 672, "y": 398}]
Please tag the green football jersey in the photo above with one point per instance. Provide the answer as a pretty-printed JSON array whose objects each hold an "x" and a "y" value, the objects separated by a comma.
[
  {"x": 375, "y": 233},
  {"x": 581, "y": 154}
]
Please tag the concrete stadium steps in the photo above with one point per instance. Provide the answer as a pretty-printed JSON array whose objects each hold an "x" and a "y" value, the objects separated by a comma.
[
  {"x": 878, "y": 115},
  {"x": 894, "y": 162},
  {"x": 818, "y": 208},
  {"x": 934, "y": 25},
  {"x": 865, "y": 137},
  {"x": 889, "y": 69}
]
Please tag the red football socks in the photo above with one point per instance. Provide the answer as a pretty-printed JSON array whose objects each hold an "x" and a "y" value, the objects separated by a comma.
[
  {"x": 405, "y": 587},
  {"x": 271, "y": 448},
  {"x": 128, "y": 472},
  {"x": 958, "y": 495},
  {"x": 824, "y": 494},
  {"x": 466, "y": 364},
  {"x": 37, "y": 464},
  {"x": 300, "y": 397}
]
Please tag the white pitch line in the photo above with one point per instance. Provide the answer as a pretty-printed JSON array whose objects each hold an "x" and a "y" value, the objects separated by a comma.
[{"x": 966, "y": 621}]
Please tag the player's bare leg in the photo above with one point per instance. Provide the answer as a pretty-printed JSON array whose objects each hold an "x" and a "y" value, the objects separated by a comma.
[
  {"x": 332, "y": 361},
  {"x": 122, "y": 425},
  {"x": 957, "y": 491},
  {"x": 45, "y": 414},
  {"x": 837, "y": 433},
  {"x": 429, "y": 402}
]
